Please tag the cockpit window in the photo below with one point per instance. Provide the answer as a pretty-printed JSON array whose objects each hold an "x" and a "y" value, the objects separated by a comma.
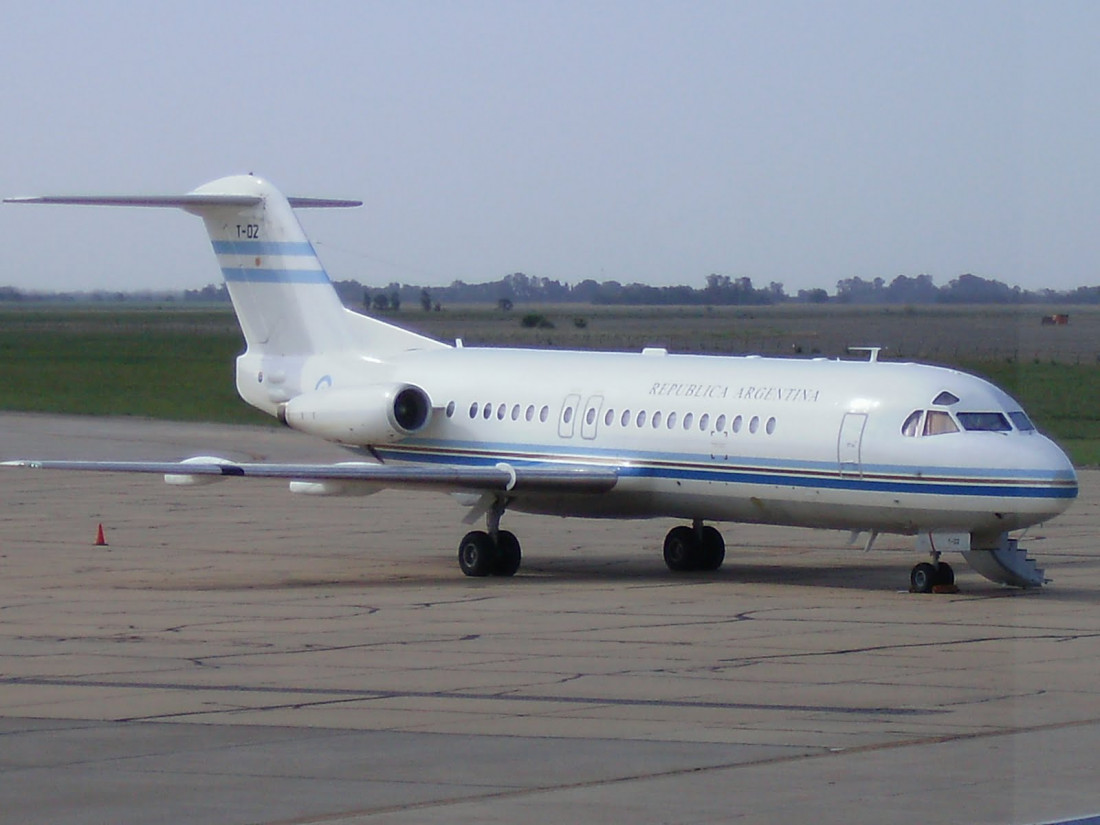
[
  {"x": 911, "y": 427},
  {"x": 993, "y": 422},
  {"x": 945, "y": 399},
  {"x": 1022, "y": 422},
  {"x": 939, "y": 423}
]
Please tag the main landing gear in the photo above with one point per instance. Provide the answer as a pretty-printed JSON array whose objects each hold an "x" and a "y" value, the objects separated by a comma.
[
  {"x": 491, "y": 552},
  {"x": 496, "y": 552},
  {"x": 696, "y": 548}
]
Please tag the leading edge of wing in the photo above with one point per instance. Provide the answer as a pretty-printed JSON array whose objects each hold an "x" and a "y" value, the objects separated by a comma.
[{"x": 503, "y": 477}]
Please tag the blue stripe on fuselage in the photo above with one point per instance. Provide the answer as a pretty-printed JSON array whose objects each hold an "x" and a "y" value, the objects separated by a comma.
[
  {"x": 295, "y": 248},
  {"x": 237, "y": 274},
  {"x": 546, "y": 452},
  {"x": 731, "y": 475}
]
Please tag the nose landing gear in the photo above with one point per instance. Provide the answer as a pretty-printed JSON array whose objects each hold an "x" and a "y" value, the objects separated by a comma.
[{"x": 927, "y": 576}]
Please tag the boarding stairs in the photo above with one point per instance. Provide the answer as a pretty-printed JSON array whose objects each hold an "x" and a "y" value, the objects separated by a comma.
[{"x": 1008, "y": 563}]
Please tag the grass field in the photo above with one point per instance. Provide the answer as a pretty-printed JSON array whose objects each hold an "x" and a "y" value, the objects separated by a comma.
[{"x": 178, "y": 364}]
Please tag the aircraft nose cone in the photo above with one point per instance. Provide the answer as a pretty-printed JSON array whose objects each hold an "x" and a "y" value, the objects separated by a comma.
[{"x": 1060, "y": 471}]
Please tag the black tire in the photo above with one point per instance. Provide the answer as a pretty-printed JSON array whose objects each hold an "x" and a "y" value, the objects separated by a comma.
[
  {"x": 682, "y": 550},
  {"x": 508, "y": 554},
  {"x": 712, "y": 550},
  {"x": 923, "y": 578},
  {"x": 944, "y": 574},
  {"x": 477, "y": 554}
]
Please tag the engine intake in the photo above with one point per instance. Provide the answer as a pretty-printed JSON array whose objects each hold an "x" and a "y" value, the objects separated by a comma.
[{"x": 377, "y": 414}]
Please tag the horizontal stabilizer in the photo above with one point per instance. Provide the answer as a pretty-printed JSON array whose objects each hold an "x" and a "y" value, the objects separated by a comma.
[{"x": 180, "y": 201}]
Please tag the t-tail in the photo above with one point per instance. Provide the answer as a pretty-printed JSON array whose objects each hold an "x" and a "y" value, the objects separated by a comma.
[{"x": 296, "y": 330}]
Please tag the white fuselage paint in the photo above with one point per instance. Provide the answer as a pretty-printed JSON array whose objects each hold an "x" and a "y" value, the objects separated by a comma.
[{"x": 814, "y": 443}]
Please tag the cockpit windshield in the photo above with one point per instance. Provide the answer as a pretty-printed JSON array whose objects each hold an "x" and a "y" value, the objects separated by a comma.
[
  {"x": 1021, "y": 421},
  {"x": 939, "y": 422},
  {"x": 994, "y": 422}
]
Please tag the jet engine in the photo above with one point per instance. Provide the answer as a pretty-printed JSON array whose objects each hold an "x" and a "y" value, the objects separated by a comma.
[{"x": 376, "y": 414}]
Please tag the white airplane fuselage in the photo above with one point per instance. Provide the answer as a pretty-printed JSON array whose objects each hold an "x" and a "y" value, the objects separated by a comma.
[
  {"x": 806, "y": 442},
  {"x": 863, "y": 445}
]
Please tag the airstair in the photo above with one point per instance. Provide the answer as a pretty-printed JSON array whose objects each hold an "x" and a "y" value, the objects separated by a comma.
[{"x": 1007, "y": 563}]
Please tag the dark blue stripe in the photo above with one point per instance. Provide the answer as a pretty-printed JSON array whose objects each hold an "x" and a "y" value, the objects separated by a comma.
[
  {"x": 547, "y": 452},
  {"x": 274, "y": 276},
  {"x": 264, "y": 248},
  {"x": 960, "y": 488},
  {"x": 731, "y": 476}
]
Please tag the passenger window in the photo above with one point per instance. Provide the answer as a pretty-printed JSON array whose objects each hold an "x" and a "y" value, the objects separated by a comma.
[
  {"x": 567, "y": 415},
  {"x": 737, "y": 421},
  {"x": 992, "y": 422},
  {"x": 544, "y": 413},
  {"x": 608, "y": 417},
  {"x": 720, "y": 424},
  {"x": 500, "y": 412},
  {"x": 939, "y": 423},
  {"x": 530, "y": 413},
  {"x": 486, "y": 411},
  {"x": 515, "y": 413},
  {"x": 450, "y": 409},
  {"x": 656, "y": 419},
  {"x": 590, "y": 416},
  {"x": 688, "y": 418},
  {"x": 769, "y": 428},
  {"x": 473, "y": 410},
  {"x": 754, "y": 424},
  {"x": 640, "y": 420},
  {"x": 704, "y": 420},
  {"x": 671, "y": 420},
  {"x": 911, "y": 427},
  {"x": 625, "y": 420}
]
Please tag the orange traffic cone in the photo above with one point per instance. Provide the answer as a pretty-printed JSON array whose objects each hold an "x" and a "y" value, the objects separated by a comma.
[{"x": 100, "y": 541}]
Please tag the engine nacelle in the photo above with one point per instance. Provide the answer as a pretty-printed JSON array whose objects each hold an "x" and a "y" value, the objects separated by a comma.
[
  {"x": 186, "y": 480},
  {"x": 377, "y": 414},
  {"x": 338, "y": 487}
]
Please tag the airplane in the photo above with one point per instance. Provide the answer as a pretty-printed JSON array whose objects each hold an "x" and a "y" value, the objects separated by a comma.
[{"x": 869, "y": 446}]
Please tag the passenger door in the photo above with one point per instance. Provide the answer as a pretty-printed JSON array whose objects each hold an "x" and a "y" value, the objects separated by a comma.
[
  {"x": 850, "y": 443},
  {"x": 567, "y": 423},
  {"x": 591, "y": 420}
]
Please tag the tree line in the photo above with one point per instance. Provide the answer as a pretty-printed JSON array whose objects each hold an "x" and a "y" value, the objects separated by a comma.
[{"x": 717, "y": 290}]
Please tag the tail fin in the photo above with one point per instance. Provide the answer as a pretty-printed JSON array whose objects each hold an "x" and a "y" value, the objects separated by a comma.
[{"x": 281, "y": 293}]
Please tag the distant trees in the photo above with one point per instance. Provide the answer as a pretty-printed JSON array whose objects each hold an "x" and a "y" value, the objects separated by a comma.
[
  {"x": 717, "y": 290},
  {"x": 970, "y": 289}
]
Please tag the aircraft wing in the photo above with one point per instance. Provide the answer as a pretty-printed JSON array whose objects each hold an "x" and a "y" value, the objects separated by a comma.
[{"x": 500, "y": 477}]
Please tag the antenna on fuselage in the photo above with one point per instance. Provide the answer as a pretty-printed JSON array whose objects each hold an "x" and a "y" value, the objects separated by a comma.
[{"x": 872, "y": 352}]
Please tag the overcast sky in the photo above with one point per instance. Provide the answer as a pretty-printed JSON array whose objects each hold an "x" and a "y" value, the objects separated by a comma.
[{"x": 800, "y": 142}]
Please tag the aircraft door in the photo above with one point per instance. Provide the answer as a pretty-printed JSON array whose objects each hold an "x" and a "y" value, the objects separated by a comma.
[
  {"x": 590, "y": 420},
  {"x": 567, "y": 422},
  {"x": 849, "y": 443}
]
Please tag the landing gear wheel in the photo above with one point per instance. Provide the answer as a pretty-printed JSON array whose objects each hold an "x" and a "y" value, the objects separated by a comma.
[
  {"x": 477, "y": 554},
  {"x": 923, "y": 578},
  {"x": 712, "y": 549},
  {"x": 508, "y": 554},
  {"x": 682, "y": 550},
  {"x": 944, "y": 574}
]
